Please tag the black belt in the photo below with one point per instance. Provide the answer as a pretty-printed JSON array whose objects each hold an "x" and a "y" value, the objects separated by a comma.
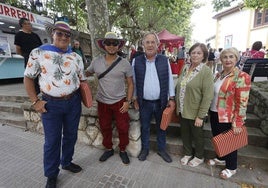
[
  {"x": 152, "y": 101},
  {"x": 65, "y": 97}
]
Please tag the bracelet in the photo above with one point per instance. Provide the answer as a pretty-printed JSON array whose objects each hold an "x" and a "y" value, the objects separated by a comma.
[{"x": 35, "y": 102}]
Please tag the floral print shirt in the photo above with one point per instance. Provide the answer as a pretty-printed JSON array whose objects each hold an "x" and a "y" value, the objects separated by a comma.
[
  {"x": 59, "y": 72},
  {"x": 233, "y": 98}
]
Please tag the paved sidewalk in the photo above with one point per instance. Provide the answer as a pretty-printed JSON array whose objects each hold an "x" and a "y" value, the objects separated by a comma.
[{"x": 21, "y": 167}]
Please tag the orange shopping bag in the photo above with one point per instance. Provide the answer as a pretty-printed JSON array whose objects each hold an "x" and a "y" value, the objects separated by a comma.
[
  {"x": 228, "y": 142},
  {"x": 86, "y": 94},
  {"x": 167, "y": 115}
]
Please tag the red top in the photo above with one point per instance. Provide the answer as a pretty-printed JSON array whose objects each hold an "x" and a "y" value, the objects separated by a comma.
[{"x": 254, "y": 54}]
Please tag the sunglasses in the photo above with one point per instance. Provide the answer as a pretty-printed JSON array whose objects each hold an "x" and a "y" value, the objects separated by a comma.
[
  {"x": 60, "y": 34},
  {"x": 111, "y": 43},
  {"x": 26, "y": 23}
]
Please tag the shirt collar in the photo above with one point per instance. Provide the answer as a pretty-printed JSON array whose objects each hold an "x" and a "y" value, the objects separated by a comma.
[
  {"x": 147, "y": 60},
  {"x": 53, "y": 48},
  {"x": 198, "y": 68}
]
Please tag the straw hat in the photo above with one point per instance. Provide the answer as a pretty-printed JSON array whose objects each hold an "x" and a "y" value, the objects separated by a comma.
[
  {"x": 59, "y": 25},
  {"x": 99, "y": 42}
]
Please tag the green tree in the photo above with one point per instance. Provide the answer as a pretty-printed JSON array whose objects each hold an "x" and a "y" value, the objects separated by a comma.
[
  {"x": 28, "y": 5},
  {"x": 130, "y": 18},
  {"x": 255, "y": 4},
  {"x": 133, "y": 18},
  {"x": 75, "y": 10}
]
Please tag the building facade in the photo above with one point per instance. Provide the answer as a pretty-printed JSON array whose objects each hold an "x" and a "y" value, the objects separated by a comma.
[{"x": 240, "y": 27}]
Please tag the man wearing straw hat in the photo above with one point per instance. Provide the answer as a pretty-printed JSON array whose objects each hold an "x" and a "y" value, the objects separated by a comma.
[
  {"x": 112, "y": 98},
  {"x": 60, "y": 71}
]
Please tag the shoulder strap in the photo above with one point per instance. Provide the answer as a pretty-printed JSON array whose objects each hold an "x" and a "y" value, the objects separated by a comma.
[{"x": 110, "y": 68}]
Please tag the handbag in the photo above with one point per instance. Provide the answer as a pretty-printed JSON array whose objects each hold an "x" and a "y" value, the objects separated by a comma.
[
  {"x": 228, "y": 142},
  {"x": 86, "y": 94},
  {"x": 167, "y": 115}
]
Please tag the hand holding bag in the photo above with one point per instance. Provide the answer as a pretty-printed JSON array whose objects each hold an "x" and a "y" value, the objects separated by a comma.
[
  {"x": 86, "y": 94},
  {"x": 228, "y": 142},
  {"x": 166, "y": 117}
]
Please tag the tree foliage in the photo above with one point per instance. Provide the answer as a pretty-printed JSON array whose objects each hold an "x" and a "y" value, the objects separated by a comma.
[
  {"x": 255, "y": 4},
  {"x": 133, "y": 18},
  {"x": 30, "y": 5},
  {"x": 75, "y": 10}
]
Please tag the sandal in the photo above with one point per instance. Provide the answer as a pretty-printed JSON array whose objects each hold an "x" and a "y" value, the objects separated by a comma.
[
  {"x": 195, "y": 162},
  {"x": 216, "y": 161},
  {"x": 185, "y": 159},
  {"x": 226, "y": 173}
]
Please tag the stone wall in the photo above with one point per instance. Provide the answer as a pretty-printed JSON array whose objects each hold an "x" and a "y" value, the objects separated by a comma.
[
  {"x": 89, "y": 129},
  {"x": 259, "y": 99}
]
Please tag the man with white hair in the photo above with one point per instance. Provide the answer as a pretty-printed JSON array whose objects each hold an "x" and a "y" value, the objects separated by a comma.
[{"x": 153, "y": 91}]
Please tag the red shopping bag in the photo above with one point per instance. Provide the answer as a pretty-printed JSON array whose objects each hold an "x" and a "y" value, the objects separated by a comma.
[
  {"x": 167, "y": 116},
  {"x": 86, "y": 94},
  {"x": 228, "y": 142}
]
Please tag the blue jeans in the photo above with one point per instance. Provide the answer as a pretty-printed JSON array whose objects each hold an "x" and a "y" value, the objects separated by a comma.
[
  {"x": 147, "y": 111},
  {"x": 60, "y": 124}
]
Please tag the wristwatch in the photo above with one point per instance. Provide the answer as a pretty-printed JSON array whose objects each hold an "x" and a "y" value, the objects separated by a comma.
[
  {"x": 172, "y": 98},
  {"x": 129, "y": 101}
]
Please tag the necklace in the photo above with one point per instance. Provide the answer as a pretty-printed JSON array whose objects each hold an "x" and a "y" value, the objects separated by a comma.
[{"x": 222, "y": 76}]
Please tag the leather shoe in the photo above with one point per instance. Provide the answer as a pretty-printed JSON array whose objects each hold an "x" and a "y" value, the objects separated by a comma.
[
  {"x": 51, "y": 183},
  {"x": 143, "y": 154},
  {"x": 164, "y": 156},
  {"x": 106, "y": 155},
  {"x": 124, "y": 157},
  {"x": 72, "y": 168}
]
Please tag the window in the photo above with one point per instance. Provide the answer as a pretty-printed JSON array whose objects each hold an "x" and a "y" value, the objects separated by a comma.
[{"x": 261, "y": 18}]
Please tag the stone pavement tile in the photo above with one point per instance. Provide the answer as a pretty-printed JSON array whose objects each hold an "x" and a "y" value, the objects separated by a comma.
[
  {"x": 11, "y": 179},
  {"x": 18, "y": 148}
]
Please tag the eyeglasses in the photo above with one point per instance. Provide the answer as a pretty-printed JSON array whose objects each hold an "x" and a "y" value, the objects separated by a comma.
[
  {"x": 60, "y": 34},
  {"x": 111, "y": 43}
]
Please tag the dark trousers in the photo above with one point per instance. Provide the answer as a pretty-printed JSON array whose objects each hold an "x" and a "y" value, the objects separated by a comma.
[
  {"x": 106, "y": 113},
  {"x": 217, "y": 128},
  {"x": 192, "y": 134},
  {"x": 60, "y": 124},
  {"x": 147, "y": 111}
]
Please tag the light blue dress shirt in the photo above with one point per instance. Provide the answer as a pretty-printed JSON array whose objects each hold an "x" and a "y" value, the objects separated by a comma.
[{"x": 151, "y": 82}]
